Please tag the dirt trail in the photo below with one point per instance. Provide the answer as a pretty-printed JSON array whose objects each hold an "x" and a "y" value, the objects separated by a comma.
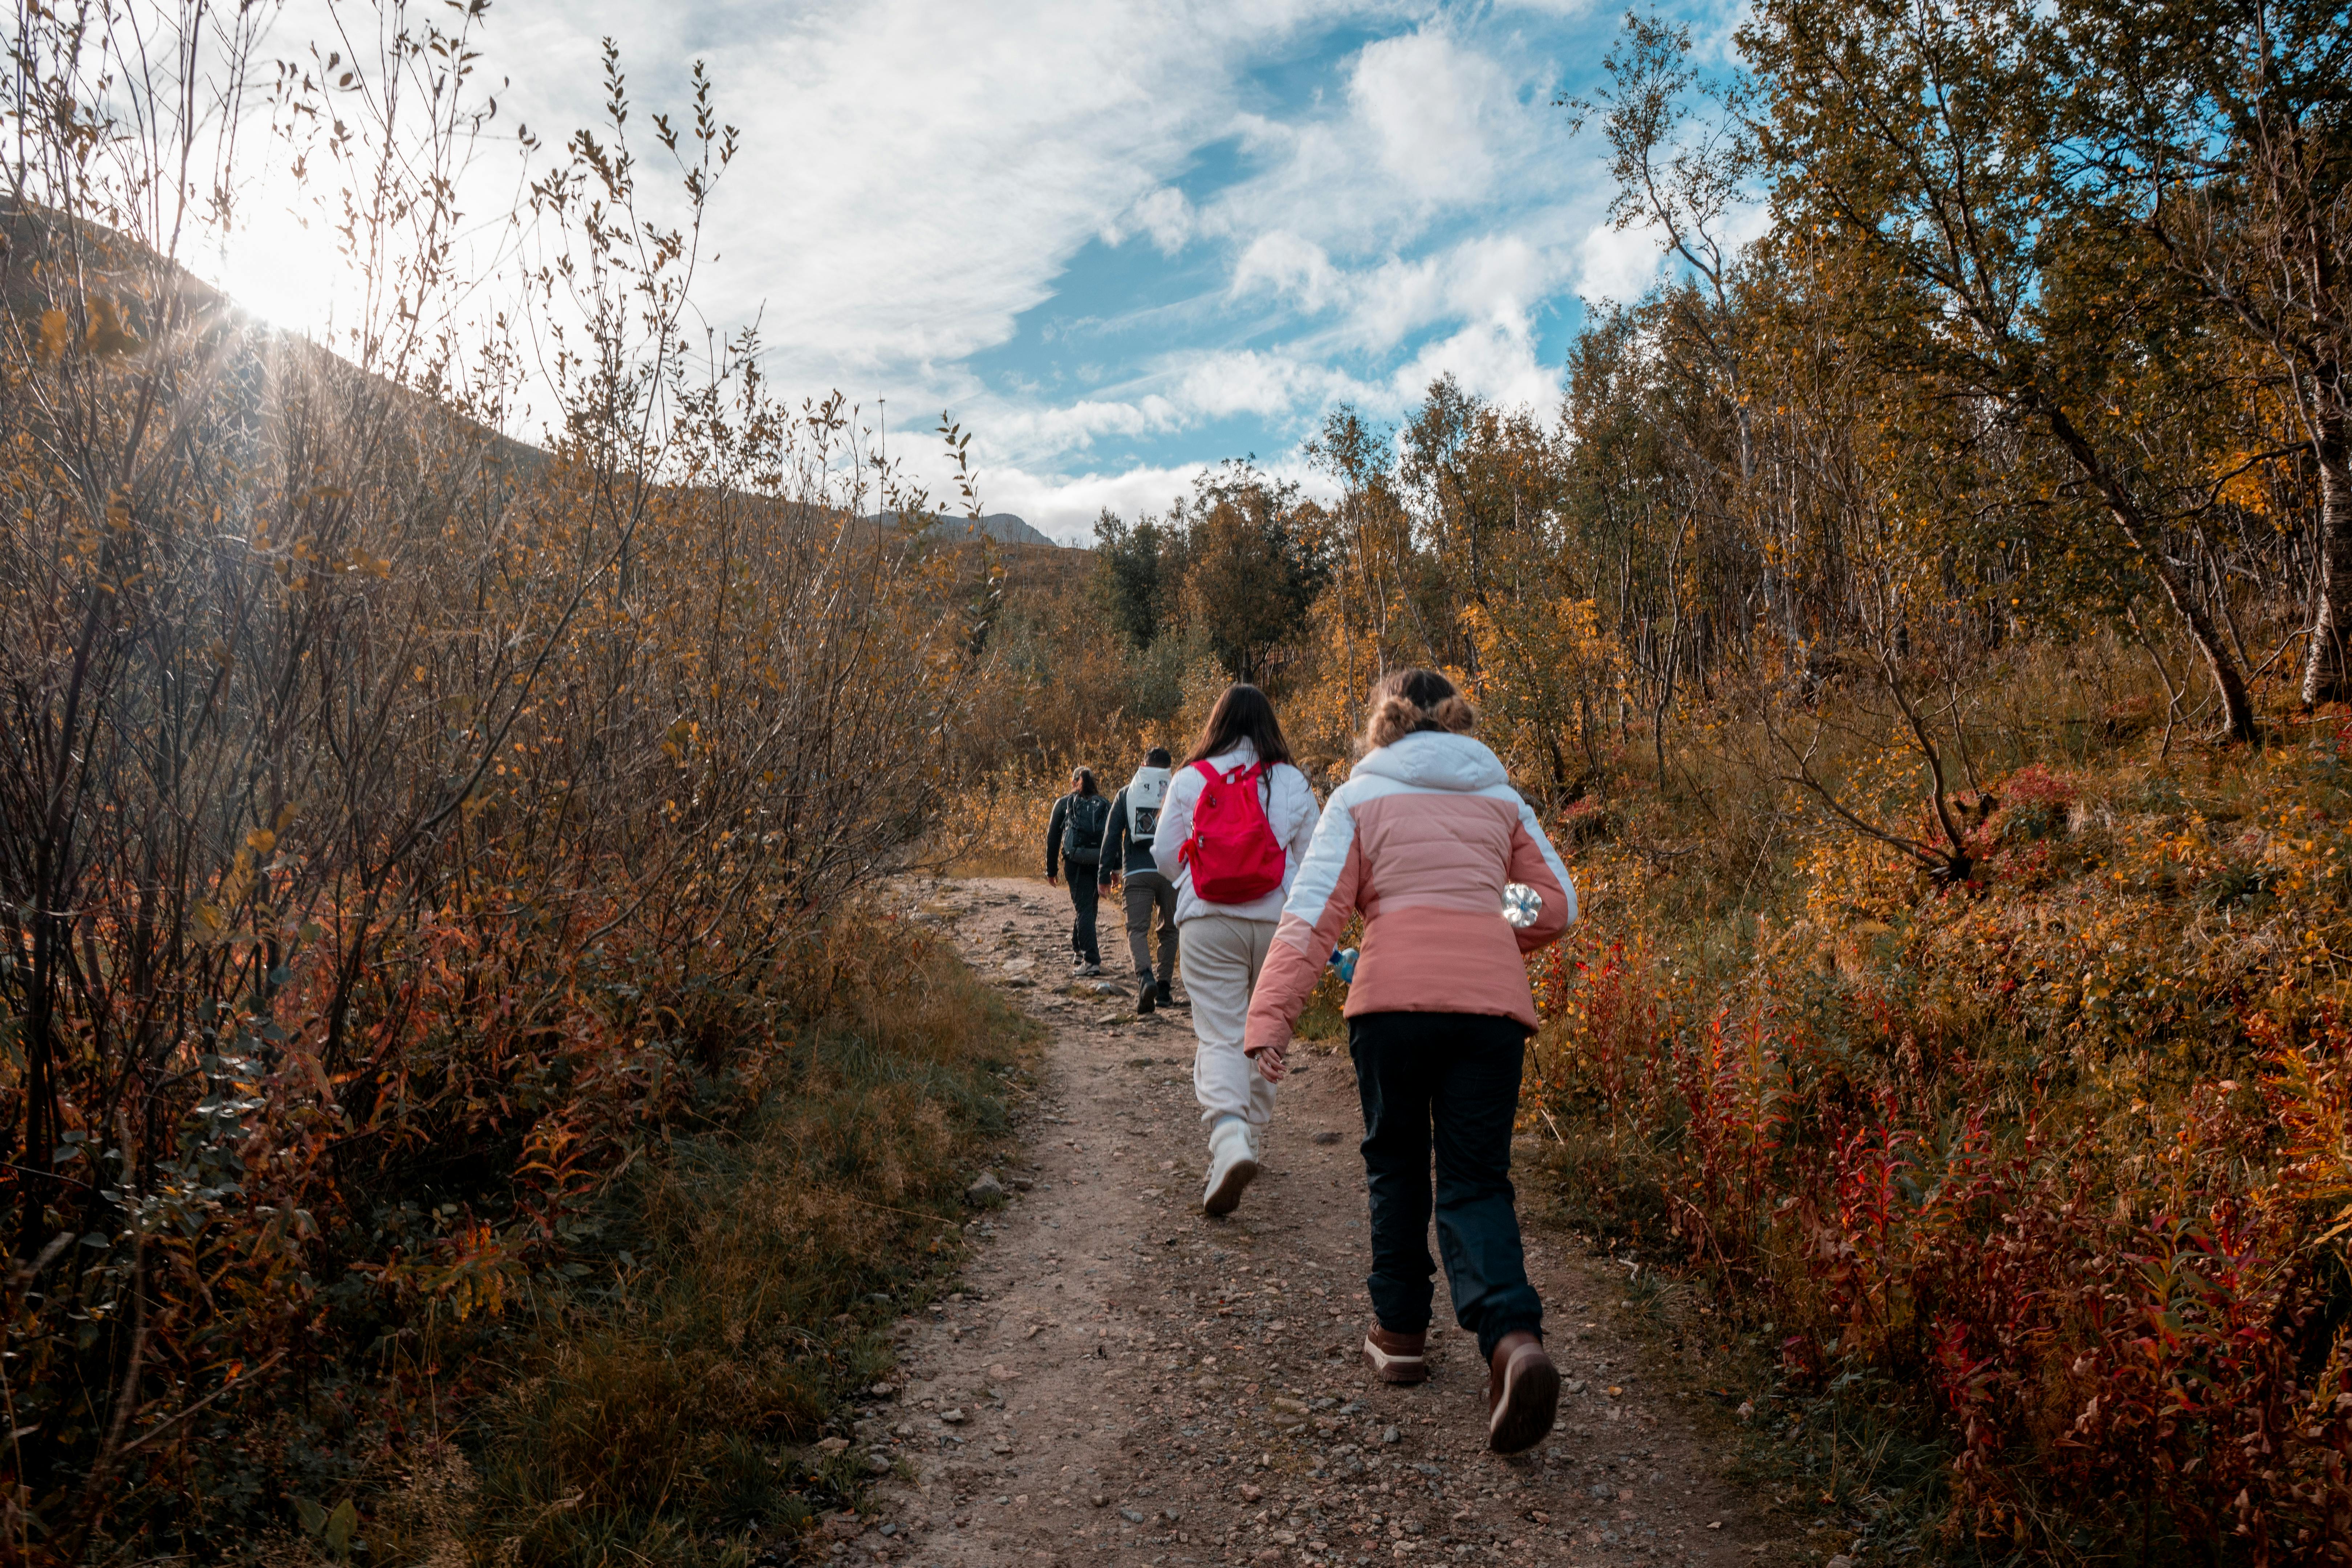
[{"x": 1126, "y": 1380}]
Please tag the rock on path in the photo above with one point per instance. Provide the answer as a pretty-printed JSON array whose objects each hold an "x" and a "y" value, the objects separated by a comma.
[{"x": 1124, "y": 1379}]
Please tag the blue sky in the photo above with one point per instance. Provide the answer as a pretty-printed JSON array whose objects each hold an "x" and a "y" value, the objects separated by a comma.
[{"x": 1123, "y": 241}]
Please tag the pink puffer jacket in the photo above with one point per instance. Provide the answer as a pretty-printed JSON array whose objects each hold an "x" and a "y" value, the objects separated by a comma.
[{"x": 1422, "y": 837}]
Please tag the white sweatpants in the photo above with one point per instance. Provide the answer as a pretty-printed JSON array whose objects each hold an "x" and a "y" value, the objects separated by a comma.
[{"x": 1221, "y": 956}]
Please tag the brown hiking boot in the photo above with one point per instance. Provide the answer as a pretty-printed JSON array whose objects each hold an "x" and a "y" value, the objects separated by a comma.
[
  {"x": 1396, "y": 1358},
  {"x": 1522, "y": 1393}
]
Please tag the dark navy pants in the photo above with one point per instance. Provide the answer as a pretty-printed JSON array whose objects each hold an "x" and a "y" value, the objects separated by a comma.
[
  {"x": 1084, "y": 896},
  {"x": 1447, "y": 1085}
]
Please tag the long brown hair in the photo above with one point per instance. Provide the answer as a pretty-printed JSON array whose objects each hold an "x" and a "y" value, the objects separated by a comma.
[
  {"x": 1406, "y": 701},
  {"x": 1243, "y": 713}
]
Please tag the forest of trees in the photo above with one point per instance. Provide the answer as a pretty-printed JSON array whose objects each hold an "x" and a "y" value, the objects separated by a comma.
[
  {"x": 2043, "y": 339},
  {"x": 1924, "y": 622},
  {"x": 1924, "y": 616}
]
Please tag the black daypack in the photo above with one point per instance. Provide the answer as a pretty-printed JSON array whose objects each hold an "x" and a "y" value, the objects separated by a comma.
[{"x": 1082, "y": 830}]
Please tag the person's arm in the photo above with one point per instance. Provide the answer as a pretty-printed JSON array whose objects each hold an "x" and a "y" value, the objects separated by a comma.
[
  {"x": 1322, "y": 897},
  {"x": 1536, "y": 864},
  {"x": 1113, "y": 863},
  {"x": 1175, "y": 824},
  {"x": 1309, "y": 815},
  {"x": 1053, "y": 837}
]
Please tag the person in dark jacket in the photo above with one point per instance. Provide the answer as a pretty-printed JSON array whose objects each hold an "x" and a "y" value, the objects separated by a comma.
[
  {"x": 1075, "y": 835},
  {"x": 1127, "y": 860}
]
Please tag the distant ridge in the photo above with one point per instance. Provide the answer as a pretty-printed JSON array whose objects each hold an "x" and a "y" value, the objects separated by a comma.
[{"x": 1002, "y": 526}]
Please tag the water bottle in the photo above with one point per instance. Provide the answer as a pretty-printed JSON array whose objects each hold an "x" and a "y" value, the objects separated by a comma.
[{"x": 1521, "y": 904}]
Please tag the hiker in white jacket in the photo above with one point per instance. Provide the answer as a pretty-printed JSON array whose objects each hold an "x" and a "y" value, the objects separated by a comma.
[
  {"x": 1126, "y": 863},
  {"x": 1225, "y": 946}
]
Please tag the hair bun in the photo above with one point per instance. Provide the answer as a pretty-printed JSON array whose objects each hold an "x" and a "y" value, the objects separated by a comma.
[
  {"x": 1397, "y": 707},
  {"x": 1395, "y": 715},
  {"x": 1456, "y": 714}
]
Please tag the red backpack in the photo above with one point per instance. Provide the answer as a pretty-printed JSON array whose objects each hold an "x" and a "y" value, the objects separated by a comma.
[{"x": 1232, "y": 852}]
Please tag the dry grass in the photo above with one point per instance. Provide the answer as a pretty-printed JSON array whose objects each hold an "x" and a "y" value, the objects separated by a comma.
[
  {"x": 745, "y": 1278},
  {"x": 2022, "y": 1193}
]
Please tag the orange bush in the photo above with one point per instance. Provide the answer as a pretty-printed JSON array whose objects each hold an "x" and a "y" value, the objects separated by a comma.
[{"x": 2044, "y": 1148}]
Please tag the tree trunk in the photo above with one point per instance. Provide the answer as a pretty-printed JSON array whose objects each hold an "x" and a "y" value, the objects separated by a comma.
[
  {"x": 2237, "y": 707},
  {"x": 2326, "y": 675}
]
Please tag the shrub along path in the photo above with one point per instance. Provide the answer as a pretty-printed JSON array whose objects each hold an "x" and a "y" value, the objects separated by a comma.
[{"x": 1125, "y": 1379}]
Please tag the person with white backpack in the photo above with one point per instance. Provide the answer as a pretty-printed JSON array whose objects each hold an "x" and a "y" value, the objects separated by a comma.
[
  {"x": 1126, "y": 863},
  {"x": 1232, "y": 832}
]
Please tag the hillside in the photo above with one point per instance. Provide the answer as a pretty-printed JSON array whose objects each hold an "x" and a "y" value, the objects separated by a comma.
[{"x": 1002, "y": 526}]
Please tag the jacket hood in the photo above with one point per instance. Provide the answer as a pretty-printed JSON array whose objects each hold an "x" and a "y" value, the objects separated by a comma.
[
  {"x": 1435, "y": 759},
  {"x": 1244, "y": 754}
]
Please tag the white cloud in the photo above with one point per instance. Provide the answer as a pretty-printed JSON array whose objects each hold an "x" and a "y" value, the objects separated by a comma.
[
  {"x": 1065, "y": 508},
  {"x": 1619, "y": 264},
  {"x": 1164, "y": 214},
  {"x": 1218, "y": 385},
  {"x": 912, "y": 176},
  {"x": 1045, "y": 427},
  {"x": 1433, "y": 111},
  {"x": 915, "y": 177},
  {"x": 1285, "y": 264},
  {"x": 1495, "y": 360},
  {"x": 1428, "y": 124},
  {"x": 1486, "y": 276}
]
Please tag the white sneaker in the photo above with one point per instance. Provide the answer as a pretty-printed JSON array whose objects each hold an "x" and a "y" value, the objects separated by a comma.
[{"x": 1232, "y": 1165}]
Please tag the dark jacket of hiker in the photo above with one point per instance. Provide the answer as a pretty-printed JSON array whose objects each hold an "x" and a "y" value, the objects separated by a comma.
[
  {"x": 1123, "y": 854},
  {"x": 1085, "y": 834}
]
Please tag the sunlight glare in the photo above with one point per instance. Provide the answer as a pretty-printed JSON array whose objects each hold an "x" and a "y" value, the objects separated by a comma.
[{"x": 289, "y": 275}]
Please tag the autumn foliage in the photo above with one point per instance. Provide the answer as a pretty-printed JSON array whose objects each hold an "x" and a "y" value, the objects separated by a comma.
[
  {"x": 410, "y": 831},
  {"x": 432, "y": 862},
  {"x": 1917, "y": 626}
]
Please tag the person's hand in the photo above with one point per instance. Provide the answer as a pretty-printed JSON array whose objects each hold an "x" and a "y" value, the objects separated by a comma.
[
  {"x": 1052, "y": 881},
  {"x": 1110, "y": 881},
  {"x": 1271, "y": 1065}
]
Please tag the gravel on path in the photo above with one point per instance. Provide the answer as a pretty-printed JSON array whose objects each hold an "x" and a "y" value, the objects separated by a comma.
[{"x": 1126, "y": 1381}]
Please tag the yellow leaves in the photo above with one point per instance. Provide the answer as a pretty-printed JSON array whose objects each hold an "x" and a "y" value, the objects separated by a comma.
[
  {"x": 239, "y": 881},
  {"x": 107, "y": 334},
  {"x": 56, "y": 333},
  {"x": 2241, "y": 484},
  {"x": 211, "y": 919}
]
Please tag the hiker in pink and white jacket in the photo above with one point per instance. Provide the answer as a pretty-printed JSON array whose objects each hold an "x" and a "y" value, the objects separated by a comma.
[
  {"x": 1232, "y": 859},
  {"x": 1456, "y": 883}
]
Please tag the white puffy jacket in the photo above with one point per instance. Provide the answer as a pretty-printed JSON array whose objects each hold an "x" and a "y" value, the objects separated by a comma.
[{"x": 1290, "y": 811}]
